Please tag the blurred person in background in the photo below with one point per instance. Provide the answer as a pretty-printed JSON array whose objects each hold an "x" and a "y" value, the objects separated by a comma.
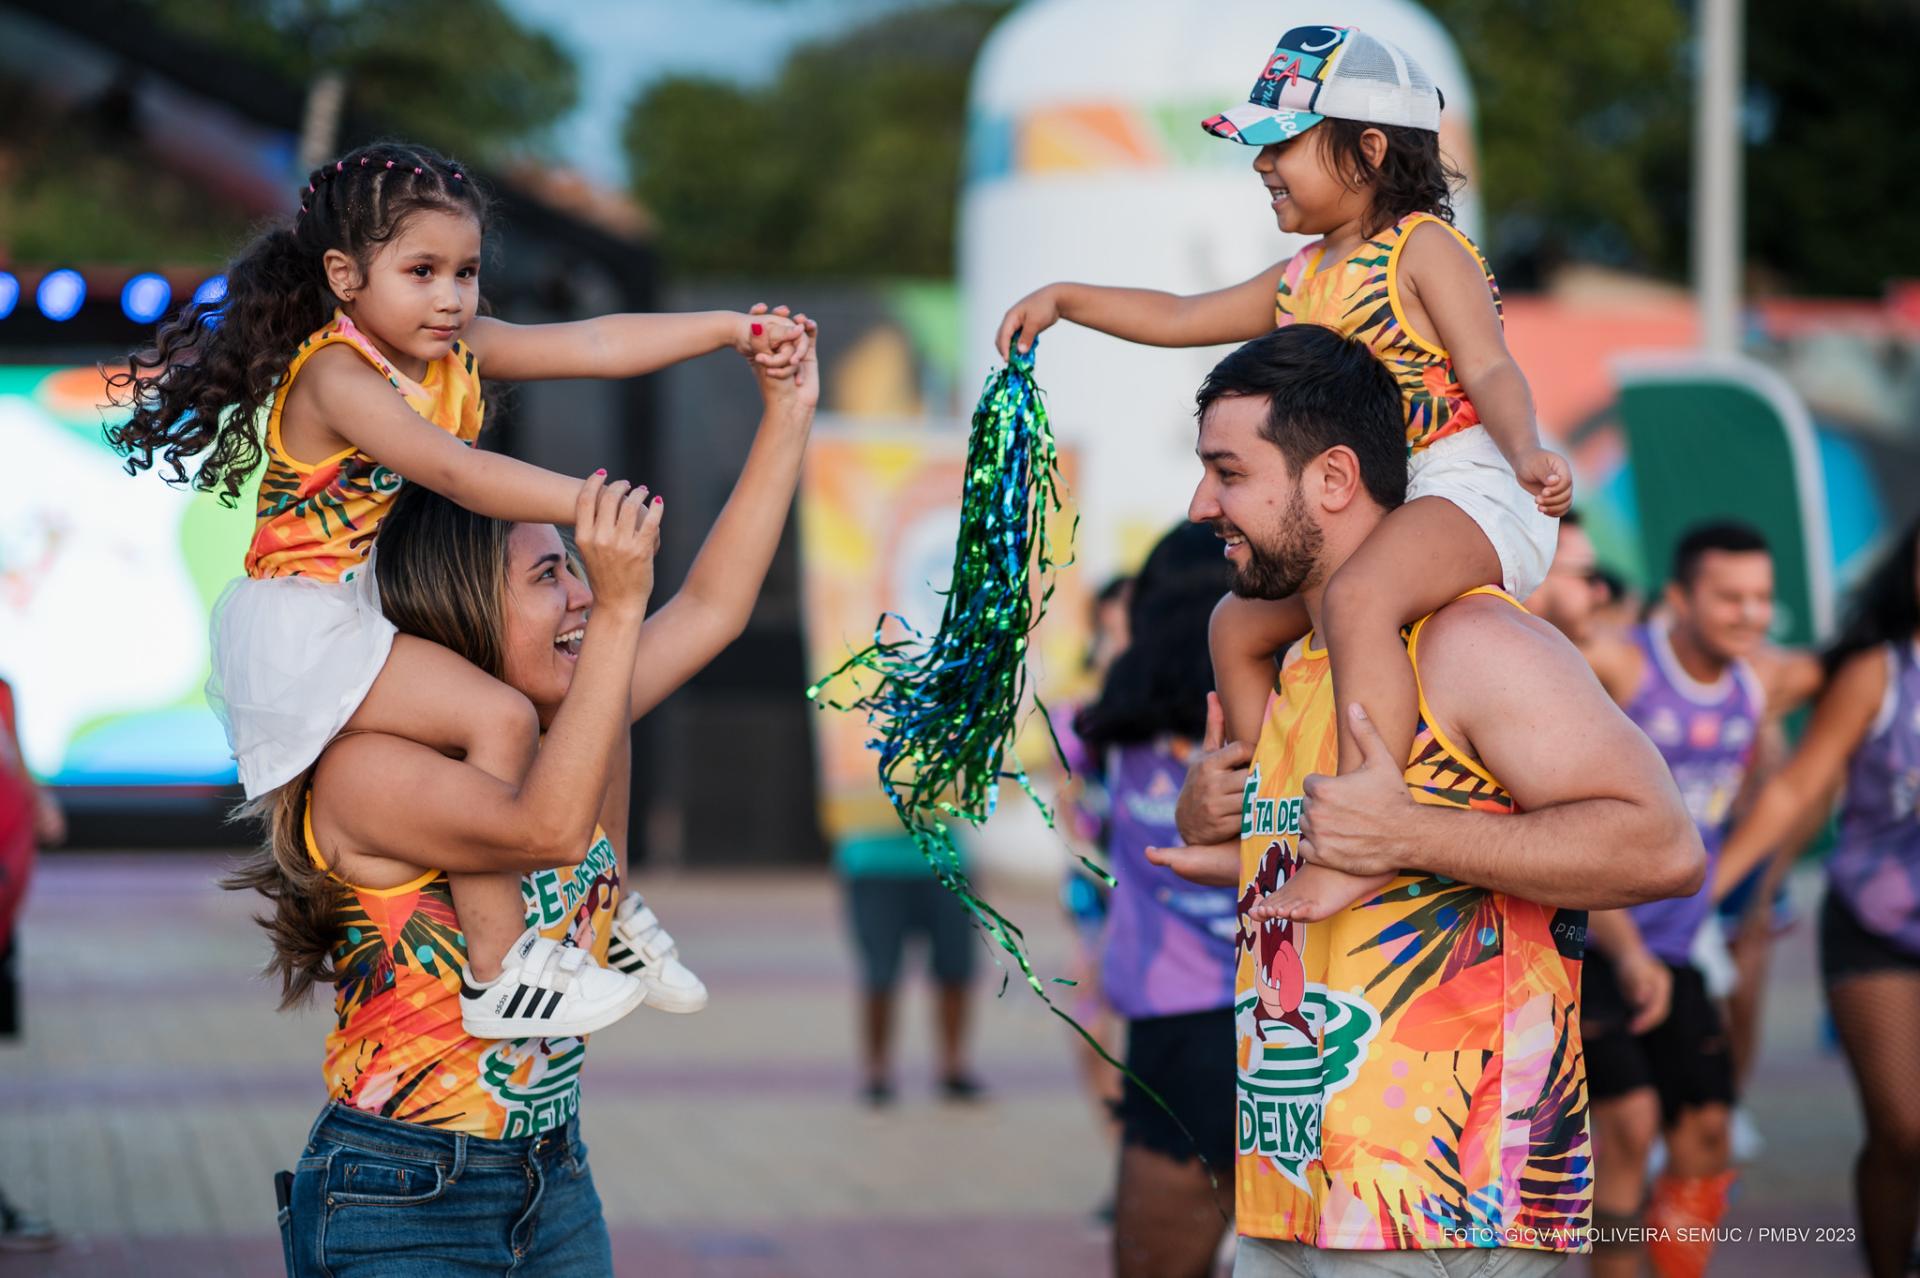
[
  {"x": 1168, "y": 961},
  {"x": 30, "y": 818},
  {"x": 1864, "y": 741},
  {"x": 892, "y": 896},
  {"x": 1083, "y": 814},
  {"x": 1617, "y": 605},
  {"x": 1659, "y": 1051}
]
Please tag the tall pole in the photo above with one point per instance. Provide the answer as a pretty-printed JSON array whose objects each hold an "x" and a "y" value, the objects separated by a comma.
[{"x": 1717, "y": 220}]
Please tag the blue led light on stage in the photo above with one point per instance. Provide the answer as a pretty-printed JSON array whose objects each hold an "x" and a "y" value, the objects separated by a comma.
[
  {"x": 9, "y": 294},
  {"x": 61, "y": 294},
  {"x": 146, "y": 297},
  {"x": 211, "y": 293}
]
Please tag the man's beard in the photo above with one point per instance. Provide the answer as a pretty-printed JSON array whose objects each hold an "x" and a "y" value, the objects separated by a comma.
[{"x": 1281, "y": 572}]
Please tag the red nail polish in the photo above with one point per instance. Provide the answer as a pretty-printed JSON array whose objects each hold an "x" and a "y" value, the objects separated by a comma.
[
  {"x": 601, "y": 471},
  {"x": 757, "y": 330}
]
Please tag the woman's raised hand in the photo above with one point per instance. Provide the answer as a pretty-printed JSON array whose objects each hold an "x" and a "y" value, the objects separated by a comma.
[
  {"x": 798, "y": 384},
  {"x": 617, "y": 531}
]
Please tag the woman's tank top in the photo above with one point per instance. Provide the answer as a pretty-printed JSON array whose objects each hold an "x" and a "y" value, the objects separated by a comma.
[
  {"x": 1875, "y": 866},
  {"x": 397, "y": 1048}
]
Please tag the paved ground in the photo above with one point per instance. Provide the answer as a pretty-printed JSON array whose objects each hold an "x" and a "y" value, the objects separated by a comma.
[{"x": 156, "y": 1092}]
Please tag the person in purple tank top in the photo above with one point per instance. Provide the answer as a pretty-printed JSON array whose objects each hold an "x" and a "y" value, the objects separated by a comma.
[
  {"x": 1658, "y": 1055},
  {"x": 1169, "y": 957},
  {"x": 1865, "y": 736}
]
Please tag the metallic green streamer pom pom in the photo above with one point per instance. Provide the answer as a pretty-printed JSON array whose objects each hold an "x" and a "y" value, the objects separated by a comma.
[{"x": 946, "y": 708}]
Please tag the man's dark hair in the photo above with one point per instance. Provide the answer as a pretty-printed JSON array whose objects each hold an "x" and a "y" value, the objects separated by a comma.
[
  {"x": 1726, "y": 535},
  {"x": 1322, "y": 390}
]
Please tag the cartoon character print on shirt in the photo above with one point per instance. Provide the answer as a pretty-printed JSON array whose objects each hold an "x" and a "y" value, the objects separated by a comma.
[
  {"x": 1280, "y": 979},
  {"x": 536, "y": 1081}
]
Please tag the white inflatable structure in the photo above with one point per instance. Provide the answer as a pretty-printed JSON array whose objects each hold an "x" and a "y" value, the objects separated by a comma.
[{"x": 1086, "y": 161}]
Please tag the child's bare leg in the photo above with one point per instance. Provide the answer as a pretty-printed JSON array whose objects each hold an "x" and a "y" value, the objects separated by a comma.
[
  {"x": 429, "y": 694},
  {"x": 1422, "y": 557},
  {"x": 1245, "y": 637}
]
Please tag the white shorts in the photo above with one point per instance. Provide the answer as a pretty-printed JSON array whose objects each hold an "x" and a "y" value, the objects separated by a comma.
[
  {"x": 1468, "y": 470},
  {"x": 293, "y": 658}
]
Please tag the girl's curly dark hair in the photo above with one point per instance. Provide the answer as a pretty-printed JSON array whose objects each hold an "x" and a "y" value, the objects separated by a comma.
[
  {"x": 216, "y": 363},
  {"x": 1412, "y": 177}
]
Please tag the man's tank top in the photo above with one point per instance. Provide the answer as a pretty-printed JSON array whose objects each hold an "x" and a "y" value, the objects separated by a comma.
[
  {"x": 397, "y": 1048},
  {"x": 1707, "y": 733},
  {"x": 1410, "y": 1070},
  {"x": 1360, "y": 296},
  {"x": 1875, "y": 866},
  {"x": 318, "y": 520}
]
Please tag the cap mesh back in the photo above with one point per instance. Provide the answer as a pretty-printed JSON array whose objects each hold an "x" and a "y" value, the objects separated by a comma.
[{"x": 1365, "y": 58}]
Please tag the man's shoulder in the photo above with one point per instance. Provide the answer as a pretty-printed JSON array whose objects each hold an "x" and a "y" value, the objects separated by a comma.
[{"x": 1480, "y": 639}]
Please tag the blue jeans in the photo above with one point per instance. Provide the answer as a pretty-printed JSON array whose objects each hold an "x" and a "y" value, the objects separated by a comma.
[{"x": 371, "y": 1196}]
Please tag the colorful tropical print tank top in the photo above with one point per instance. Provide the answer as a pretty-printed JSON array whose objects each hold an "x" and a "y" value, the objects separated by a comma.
[
  {"x": 1410, "y": 1070},
  {"x": 1360, "y": 297},
  {"x": 1875, "y": 866},
  {"x": 318, "y": 520},
  {"x": 397, "y": 1048}
]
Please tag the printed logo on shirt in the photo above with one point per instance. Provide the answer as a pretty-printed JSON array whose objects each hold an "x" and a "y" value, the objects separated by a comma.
[
  {"x": 551, "y": 897},
  {"x": 1288, "y": 1074},
  {"x": 535, "y": 1081}
]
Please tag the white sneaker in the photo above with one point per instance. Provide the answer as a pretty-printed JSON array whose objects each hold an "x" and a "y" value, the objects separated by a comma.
[
  {"x": 546, "y": 990},
  {"x": 640, "y": 946}
]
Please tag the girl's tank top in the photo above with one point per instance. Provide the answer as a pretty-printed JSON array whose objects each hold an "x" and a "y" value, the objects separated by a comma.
[
  {"x": 1360, "y": 296},
  {"x": 397, "y": 1048},
  {"x": 318, "y": 519}
]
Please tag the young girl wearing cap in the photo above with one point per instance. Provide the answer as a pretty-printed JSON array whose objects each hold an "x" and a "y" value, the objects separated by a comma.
[
  {"x": 345, "y": 354},
  {"x": 1347, "y": 128}
]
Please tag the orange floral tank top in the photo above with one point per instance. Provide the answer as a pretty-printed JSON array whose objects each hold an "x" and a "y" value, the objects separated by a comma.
[
  {"x": 1360, "y": 297},
  {"x": 318, "y": 520},
  {"x": 1410, "y": 1070},
  {"x": 397, "y": 1048}
]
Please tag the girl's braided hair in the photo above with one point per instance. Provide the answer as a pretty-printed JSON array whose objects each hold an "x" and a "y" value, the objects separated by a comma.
[{"x": 216, "y": 363}]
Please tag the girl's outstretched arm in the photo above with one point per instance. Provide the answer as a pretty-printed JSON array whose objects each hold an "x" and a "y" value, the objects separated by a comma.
[
  {"x": 712, "y": 606},
  {"x": 359, "y": 406},
  {"x": 1238, "y": 313},
  {"x": 627, "y": 345},
  {"x": 1450, "y": 287}
]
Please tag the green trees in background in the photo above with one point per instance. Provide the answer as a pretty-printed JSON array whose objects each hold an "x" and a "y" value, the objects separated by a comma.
[
  {"x": 1830, "y": 177},
  {"x": 1584, "y": 127},
  {"x": 463, "y": 75},
  {"x": 847, "y": 162}
]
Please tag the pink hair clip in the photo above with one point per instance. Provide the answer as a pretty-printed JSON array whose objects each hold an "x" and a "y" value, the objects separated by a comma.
[
  {"x": 389, "y": 163},
  {"x": 339, "y": 166},
  {"x": 416, "y": 170},
  {"x": 456, "y": 177},
  {"x": 363, "y": 161},
  {"x": 309, "y": 188}
]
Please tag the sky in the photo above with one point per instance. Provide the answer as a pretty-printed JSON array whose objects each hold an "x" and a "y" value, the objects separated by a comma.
[{"x": 622, "y": 45}]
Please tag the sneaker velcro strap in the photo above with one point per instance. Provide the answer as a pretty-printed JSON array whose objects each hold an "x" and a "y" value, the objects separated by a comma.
[{"x": 649, "y": 938}]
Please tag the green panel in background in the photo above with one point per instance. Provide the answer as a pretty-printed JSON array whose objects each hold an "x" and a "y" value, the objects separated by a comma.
[{"x": 1724, "y": 438}]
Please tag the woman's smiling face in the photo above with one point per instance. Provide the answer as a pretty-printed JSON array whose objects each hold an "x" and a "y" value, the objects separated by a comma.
[{"x": 546, "y": 616}]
